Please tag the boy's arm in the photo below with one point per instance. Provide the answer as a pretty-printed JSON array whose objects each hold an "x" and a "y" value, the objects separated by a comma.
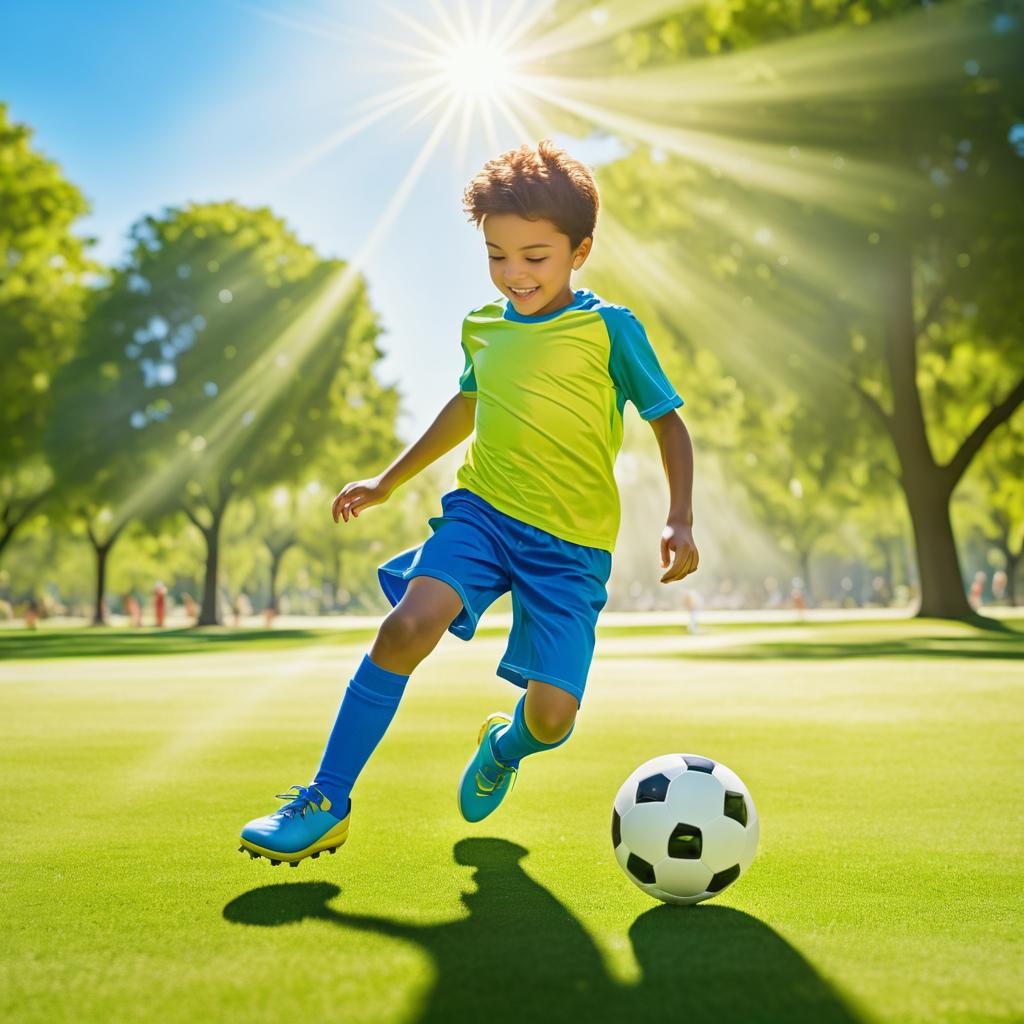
[
  {"x": 677, "y": 458},
  {"x": 454, "y": 423}
]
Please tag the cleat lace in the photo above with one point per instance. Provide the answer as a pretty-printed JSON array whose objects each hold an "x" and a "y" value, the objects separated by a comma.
[
  {"x": 304, "y": 798},
  {"x": 486, "y": 783}
]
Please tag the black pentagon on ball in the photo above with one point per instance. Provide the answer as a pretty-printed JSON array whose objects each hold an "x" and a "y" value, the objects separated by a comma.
[
  {"x": 640, "y": 869},
  {"x": 696, "y": 763},
  {"x": 616, "y": 829},
  {"x": 685, "y": 843},
  {"x": 723, "y": 878},
  {"x": 651, "y": 790},
  {"x": 735, "y": 807}
]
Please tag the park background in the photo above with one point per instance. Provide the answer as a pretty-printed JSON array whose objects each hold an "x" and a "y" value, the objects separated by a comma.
[
  {"x": 233, "y": 287},
  {"x": 233, "y": 269}
]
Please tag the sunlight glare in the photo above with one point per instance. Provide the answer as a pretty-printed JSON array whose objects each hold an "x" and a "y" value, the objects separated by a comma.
[{"x": 476, "y": 70}]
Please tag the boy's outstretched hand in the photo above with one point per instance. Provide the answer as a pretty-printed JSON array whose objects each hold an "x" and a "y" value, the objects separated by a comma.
[
  {"x": 357, "y": 495},
  {"x": 677, "y": 537}
]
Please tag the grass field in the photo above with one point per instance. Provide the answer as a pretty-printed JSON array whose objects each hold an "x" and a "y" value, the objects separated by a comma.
[{"x": 884, "y": 759}]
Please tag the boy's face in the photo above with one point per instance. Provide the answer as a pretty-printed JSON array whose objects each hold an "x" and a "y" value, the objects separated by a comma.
[{"x": 535, "y": 255}]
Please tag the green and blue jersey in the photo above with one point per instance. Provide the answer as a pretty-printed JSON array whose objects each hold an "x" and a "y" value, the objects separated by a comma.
[{"x": 550, "y": 392}]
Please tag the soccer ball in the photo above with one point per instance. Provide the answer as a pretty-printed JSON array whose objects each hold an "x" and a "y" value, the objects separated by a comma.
[{"x": 684, "y": 827}]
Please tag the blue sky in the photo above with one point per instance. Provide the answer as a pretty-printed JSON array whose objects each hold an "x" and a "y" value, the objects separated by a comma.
[{"x": 146, "y": 105}]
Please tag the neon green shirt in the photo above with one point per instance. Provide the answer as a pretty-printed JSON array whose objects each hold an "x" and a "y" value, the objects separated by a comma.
[{"x": 550, "y": 392}]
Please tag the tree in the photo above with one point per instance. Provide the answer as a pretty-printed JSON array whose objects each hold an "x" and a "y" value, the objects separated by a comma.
[
  {"x": 43, "y": 268},
  {"x": 817, "y": 227},
  {"x": 214, "y": 364}
]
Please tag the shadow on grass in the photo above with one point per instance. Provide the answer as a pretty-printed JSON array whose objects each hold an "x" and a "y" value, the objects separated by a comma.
[
  {"x": 104, "y": 643},
  {"x": 1002, "y": 646},
  {"x": 521, "y": 955}
]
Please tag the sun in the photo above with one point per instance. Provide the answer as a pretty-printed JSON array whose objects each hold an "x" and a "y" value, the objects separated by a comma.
[{"x": 476, "y": 70}]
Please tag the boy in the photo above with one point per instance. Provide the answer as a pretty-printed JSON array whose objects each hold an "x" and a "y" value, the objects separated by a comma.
[{"x": 547, "y": 373}]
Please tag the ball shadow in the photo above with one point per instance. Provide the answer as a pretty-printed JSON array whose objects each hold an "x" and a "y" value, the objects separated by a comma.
[{"x": 521, "y": 954}]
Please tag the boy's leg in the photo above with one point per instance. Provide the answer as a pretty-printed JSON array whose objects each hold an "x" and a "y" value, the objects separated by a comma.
[
  {"x": 409, "y": 633},
  {"x": 406, "y": 637},
  {"x": 543, "y": 719}
]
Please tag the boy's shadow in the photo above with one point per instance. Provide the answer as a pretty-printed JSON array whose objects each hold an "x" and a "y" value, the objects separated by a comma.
[{"x": 520, "y": 954}]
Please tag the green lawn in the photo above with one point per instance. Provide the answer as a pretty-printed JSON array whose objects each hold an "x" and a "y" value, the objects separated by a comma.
[{"x": 884, "y": 759}]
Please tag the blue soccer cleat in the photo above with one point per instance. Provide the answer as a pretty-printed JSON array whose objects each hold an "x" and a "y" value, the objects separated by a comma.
[
  {"x": 304, "y": 827},
  {"x": 485, "y": 780}
]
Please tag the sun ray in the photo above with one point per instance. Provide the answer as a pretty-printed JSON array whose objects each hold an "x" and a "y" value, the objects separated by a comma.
[
  {"x": 759, "y": 165},
  {"x": 913, "y": 52},
  {"x": 516, "y": 32},
  {"x": 403, "y": 96},
  {"x": 506, "y": 109},
  {"x": 436, "y": 41},
  {"x": 346, "y": 34},
  {"x": 255, "y": 388},
  {"x": 598, "y": 22},
  {"x": 684, "y": 292}
]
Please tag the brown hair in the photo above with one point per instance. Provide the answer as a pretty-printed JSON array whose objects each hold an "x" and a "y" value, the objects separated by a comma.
[{"x": 537, "y": 183}]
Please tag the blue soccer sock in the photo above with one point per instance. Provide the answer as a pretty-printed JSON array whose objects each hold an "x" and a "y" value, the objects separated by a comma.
[
  {"x": 370, "y": 701},
  {"x": 515, "y": 741}
]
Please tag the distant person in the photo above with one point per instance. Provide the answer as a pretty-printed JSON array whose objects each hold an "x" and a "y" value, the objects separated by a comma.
[
  {"x": 133, "y": 610},
  {"x": 160, "y": 603},
  {"x": 32, "y": 612},
  {"x": 978, "y": 589},
  {"x": 798, "y": 599},
  {"x": 191, "y": 608},
  {"x": 547, "y": 373},
  {"x": 693, "y": 602},
  {"x": 999, "y": 584}
]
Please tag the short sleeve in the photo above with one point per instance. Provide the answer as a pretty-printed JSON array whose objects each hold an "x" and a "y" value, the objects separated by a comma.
[
  {"x": 634, "y": 367},
  {"x": 467, "y": 382}
]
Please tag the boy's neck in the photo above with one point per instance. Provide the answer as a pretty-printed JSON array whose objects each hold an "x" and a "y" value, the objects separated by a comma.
[{"x": 564, "y": 298}]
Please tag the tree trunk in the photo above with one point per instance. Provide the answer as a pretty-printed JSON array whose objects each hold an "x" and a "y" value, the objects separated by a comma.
[
  {"x": 926, "y": 485},
  {"x": 209, "y": 613},
  {"x": 805, "y": 569},
  {"x": 276, "y": 554},
  {"x": 102, "y": 550},
  {"x": 1012, "y": 561}
]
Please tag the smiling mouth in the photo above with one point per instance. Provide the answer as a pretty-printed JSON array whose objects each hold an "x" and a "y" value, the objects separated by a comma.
[{"x": 522, "y": 294}]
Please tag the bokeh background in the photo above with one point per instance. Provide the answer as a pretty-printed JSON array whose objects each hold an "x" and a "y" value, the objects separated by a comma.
[{"x": 235, "y": 264}]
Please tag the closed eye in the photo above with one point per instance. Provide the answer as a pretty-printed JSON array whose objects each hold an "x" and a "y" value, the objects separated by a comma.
[{"x": 529, "y": 259}]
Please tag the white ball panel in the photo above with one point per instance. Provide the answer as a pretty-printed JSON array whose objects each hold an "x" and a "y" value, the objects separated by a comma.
[
  {"x": 683, "y": 878},
  {"x": 725, "y": 842},
  {"x": 729, "y": 778},
  {"x": 622, "y": 855},
  {"x": 645, "y": 830},
  {"x": 625, "y": 796},
  {"x": 679, "y": 901},
  {"x": 750, "y": 844},
  {"x": 695, "y": 798}
]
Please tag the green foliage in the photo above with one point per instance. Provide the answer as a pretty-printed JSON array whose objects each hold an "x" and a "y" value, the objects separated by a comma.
[{"x": 42, "y": 288}]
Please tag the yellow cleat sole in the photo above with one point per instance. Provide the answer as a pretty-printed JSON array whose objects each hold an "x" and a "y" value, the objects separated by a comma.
[{"x": 328, "y": 843}]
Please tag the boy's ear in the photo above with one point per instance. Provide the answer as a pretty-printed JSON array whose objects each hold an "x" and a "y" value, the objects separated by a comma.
[{"x": 582, "y": 252}]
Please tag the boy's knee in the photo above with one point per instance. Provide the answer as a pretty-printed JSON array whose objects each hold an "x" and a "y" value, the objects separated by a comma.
[
  {"x": 405, "y": 628},
  {"x": 549, "y": 725}
]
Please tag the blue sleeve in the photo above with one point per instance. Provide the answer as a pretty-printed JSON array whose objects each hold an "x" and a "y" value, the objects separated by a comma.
[
  {"x": 634, "y": 367},
  {"x": 467, "y": 382}
]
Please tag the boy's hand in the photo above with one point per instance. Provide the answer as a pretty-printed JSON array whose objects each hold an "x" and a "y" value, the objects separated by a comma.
[
  {"x": 359, "y": 494},
  {"x": 678, "y": 538}
]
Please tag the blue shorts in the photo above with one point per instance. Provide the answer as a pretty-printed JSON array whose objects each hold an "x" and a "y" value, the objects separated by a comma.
[{"x": 558, "y": 587}]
